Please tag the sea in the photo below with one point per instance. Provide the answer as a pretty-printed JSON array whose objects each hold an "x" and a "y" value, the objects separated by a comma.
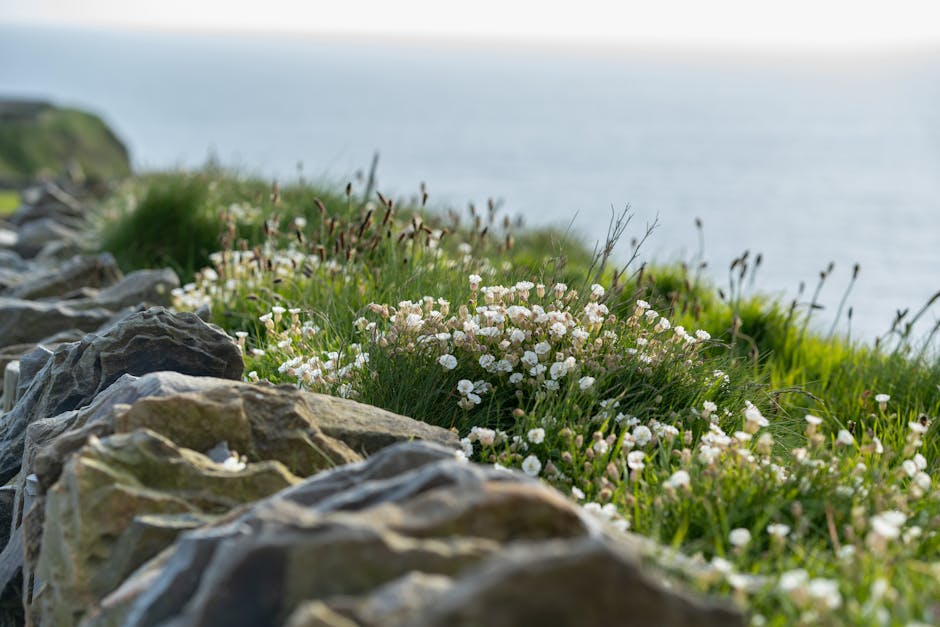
[{"x": 806, "y": 158}]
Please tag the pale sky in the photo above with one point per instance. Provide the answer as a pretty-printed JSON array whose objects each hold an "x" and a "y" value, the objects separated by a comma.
[{"x": 789, "y": 23}]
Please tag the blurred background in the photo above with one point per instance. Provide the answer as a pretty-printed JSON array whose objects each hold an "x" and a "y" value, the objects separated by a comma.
[{"x": 808, "y": 132}]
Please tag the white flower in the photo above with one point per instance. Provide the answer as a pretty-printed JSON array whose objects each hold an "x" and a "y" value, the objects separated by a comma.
[
  {"x": 515, "y": 377},
  {"x": 486, "y": 362},
  {"x": 708, "y": 408},
  {"x": 542, "y": 348},
  {"x": 558, "y": 370},
  {"x": 844, "y": 438},
  {"x": 577, "y": 493},
  {"x": 550, "y": 384},
  {"x": 642, "y": 435},
  {"x": 813, "y": 420},
  {"x": 739, "y": 537},
  {"x": 778, "y": 530},
  {"x": 529, "y": 358},
  {"x": 679, "y": 479},
  {"x": 721, "y": 565},
  {"x": 447, "y": 362},
  {"x": 642, "y": 305},
  {"x": 754, "y": 420},
  {"x": 882, "y": 398},
  {"x": 825, "y": 590},
  {"x": 557, "y": 329},
  {"x": 536, "y": 436},
  {"x": 475, "y": 281},
  {"x": 888, "y": 524},
  {"x": 597, "y": 291},
  {"x": 703, "y": 335},
  {"x": 465, "y": 386},
  {"x": 909, "y": 467},
  {"x": 920, "y": 461},
  {"x": 233, "y": 463},
  {"x": 635, "y": 460},
  {"x": 793, "y": 580},
  {"x": 601, "y": 447},
  {"x": 531, "y": 466},
  {"x": 467, "y": 447},
  {"x": 922, "y": 481},
  {"x": 585, "y": 382},
  {"x": 486, "y": 437},
  {"x": 517, "y": 336}
]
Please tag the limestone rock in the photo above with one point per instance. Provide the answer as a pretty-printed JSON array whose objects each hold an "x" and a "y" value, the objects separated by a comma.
[
  {"x": 9, "y": 260},
  {"x": 151, "y": 287},
  {"x": 121, "y": 500},
  {"x": 25, "y": 321},
  {"x": 47, "y": 201},
  {"x": 91, "y": 271},
  {"x": 410, "y": 537},
  {"x": 71, "y": 377},
  {"x": 586, "y": 582},
  {"x": 265, "y": 424},
  {"x": 34, "y": 235}
]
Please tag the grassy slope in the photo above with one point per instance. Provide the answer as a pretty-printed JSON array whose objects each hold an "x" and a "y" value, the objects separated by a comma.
[
  {"x": 300, "y": 293},
  {"x": 44, "y": 145}
]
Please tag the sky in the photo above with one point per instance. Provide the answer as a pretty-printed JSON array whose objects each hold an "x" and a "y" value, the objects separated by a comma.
[{"x": 839, "y": 24}]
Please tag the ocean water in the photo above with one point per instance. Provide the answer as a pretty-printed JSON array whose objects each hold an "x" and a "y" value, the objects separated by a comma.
[{"x": 805, "y": 159}]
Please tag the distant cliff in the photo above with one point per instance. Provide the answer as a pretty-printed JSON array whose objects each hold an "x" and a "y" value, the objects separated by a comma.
[{"x": 41, "y": 141}]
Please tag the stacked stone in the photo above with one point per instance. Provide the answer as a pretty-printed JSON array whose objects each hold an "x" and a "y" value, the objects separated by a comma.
[{"x": 144, "y": 483}]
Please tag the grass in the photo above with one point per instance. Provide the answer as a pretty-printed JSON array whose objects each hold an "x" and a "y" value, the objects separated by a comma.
[
  {"x": 9, "y": 201},
  {"x": 796, "y": 466}
]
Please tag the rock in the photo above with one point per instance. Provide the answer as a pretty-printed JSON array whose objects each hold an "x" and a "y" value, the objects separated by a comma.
[
  {"x": 33, "y": 236},
  {"x": 27, "y": 321},
  {"x": 120, "y": 501},
  {"x": 585, "y": 582},
  {"x": 9, "y": 260},
  {"x": 48, "y": 200},
  {"x": 11, "y": 377},
  {"x": 265, "y": 424},
  {"x": 151, "y": 287},
  {"x": 411, "y": 536},
  {"x": 74, "y": 374},
  {"x": 7, "y": 498},
  {"x": 92, "y": 271},
  {"x": 261, "y": 422}
]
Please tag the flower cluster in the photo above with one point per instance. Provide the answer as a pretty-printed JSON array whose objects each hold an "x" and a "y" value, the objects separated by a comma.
[{"x": 528, "y": 336}]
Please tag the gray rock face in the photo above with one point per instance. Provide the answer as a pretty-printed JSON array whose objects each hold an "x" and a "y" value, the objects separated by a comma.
[
  {"x": 143, "y": 342},
  {"x": 27, "y": 321},
  {"x": 47, "y": 201},
  {"x": 151, "y": 287},
  {"x": 9, "y": 260},
  {"x": 409, "y": 537},
  {"x": 34, "y": 235},
  {"x": 94, "y": 272},
  {"x": 90, "y": 464}
]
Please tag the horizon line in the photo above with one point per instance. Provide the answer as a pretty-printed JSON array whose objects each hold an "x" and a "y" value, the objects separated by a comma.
[{"x": 528, "y": 42}]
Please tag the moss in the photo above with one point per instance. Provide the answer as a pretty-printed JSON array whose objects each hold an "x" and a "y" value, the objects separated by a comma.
[{"x": 9, "y": 201}]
